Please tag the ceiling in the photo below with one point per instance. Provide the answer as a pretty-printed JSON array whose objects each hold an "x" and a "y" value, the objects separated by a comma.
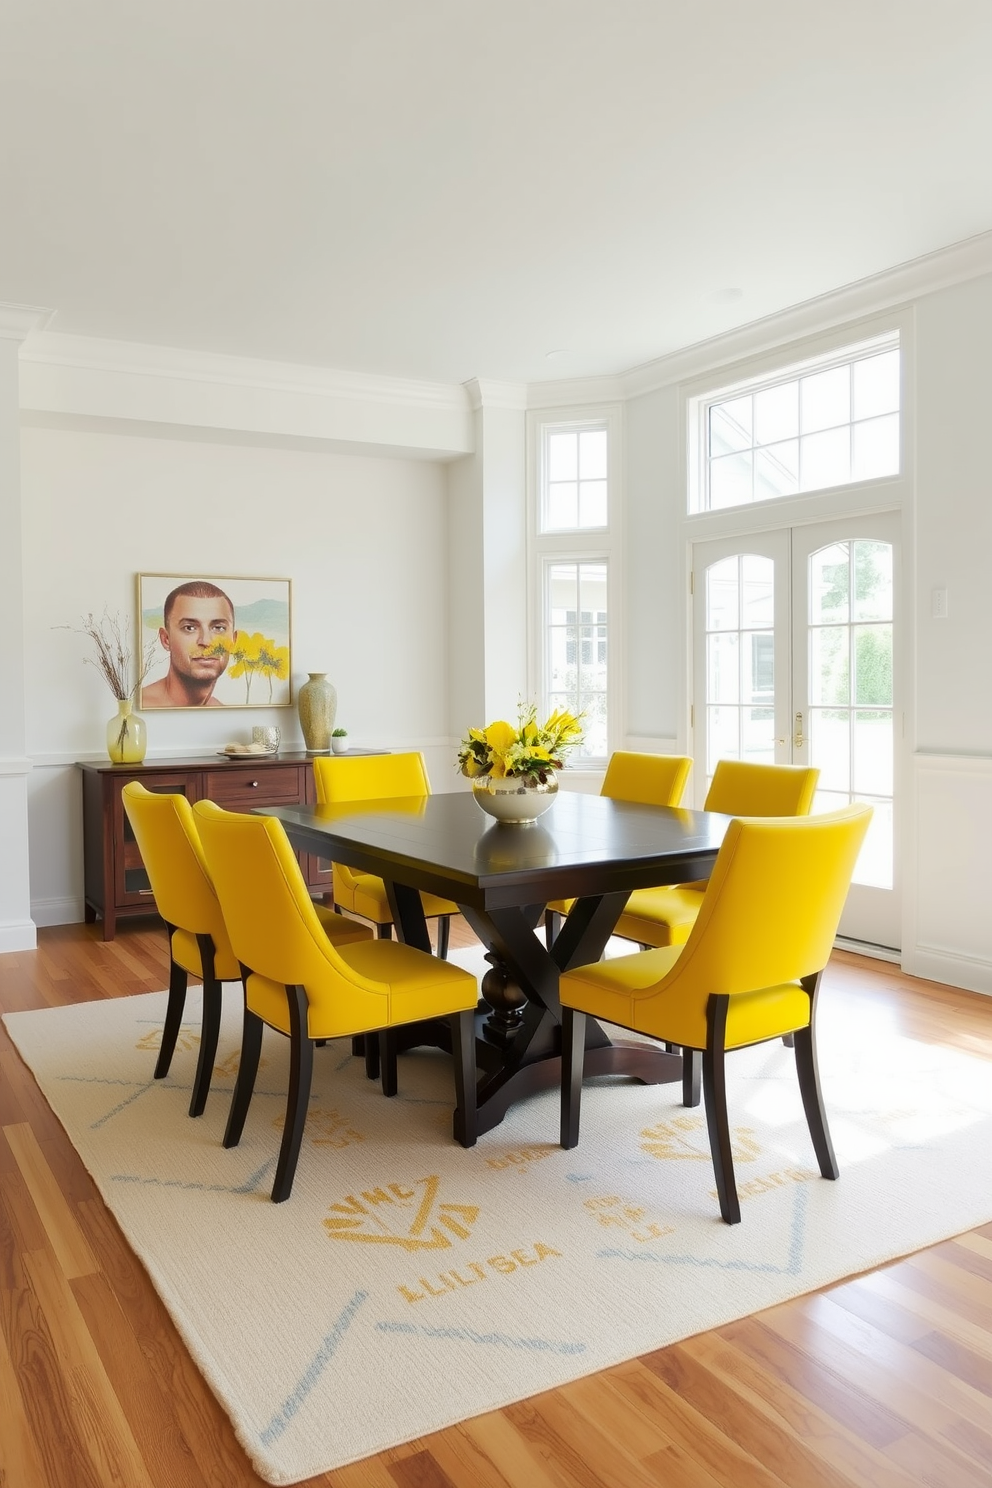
[{"x": 508, "y": 189}]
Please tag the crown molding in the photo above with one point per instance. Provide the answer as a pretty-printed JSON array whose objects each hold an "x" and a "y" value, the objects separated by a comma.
[
  {"x": 956, "y": 264},
  {"x": 91, "y": 353},
  {"x": 484, "y": 392},
  {"x": 18, "y": 321},
  {"x": 574, "y": 392}
]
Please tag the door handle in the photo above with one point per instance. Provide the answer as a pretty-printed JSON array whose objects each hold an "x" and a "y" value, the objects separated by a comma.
[{"x": 797, "y": 739}]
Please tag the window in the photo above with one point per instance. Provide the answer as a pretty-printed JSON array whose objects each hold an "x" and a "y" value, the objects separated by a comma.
[
  {"x": 575, "y": 567},
  {"x": 576, "y": 667},
  {"x": 575, "y": 487},
  {"x": 827, "y": 422}
]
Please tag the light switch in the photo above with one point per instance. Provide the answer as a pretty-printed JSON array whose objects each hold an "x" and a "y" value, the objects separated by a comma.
[{"x": 938, "y": 608}]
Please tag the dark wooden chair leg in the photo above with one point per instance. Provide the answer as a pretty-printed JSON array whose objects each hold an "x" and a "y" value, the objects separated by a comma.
[
  {"x": 387, "y": 1059},
  {"x": 715, "y": 1094},
  {"x": 178, "y": 981},
  {"x": 209, "y": 1027},
  {"x": 789, "y": 1040},
  {"x": 371, "y": 1041},
  {"x": 300, "y": 1080},
  {"x": 552, "y": 924},
  {"x": 443, "y": 935},
  {"x": 573, "y": 1053},
  {"x": 384, "y": 932},
  {"x": 692, "y": 1072},
  {"x": 816, "y": 1116},
  {"x": 466, "y": 1123},
  {"x": 251, "y": 1048}
]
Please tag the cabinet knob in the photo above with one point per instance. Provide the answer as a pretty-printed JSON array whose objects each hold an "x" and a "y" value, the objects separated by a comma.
[{"x": 253, "y": 784}]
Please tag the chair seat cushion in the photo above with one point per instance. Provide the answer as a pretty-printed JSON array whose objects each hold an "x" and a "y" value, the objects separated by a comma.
[
  {"x": 186, "y": 953},
  {"x": 621, "y": 991},
  {"x": 416, "y": 986},
  {"x": 366, "y": 896},
  {"x": 661, "y": 917}
]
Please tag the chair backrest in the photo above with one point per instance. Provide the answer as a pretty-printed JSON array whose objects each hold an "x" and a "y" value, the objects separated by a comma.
[
  {"x": 772, "y": 904},
  {"x": 172, "y": 853},
  {"x": 369, "y": 777},
  {"x": 739, "y": 788},
  {"x": 649, "y": 779},
  {"x": 267, "y": 907}
]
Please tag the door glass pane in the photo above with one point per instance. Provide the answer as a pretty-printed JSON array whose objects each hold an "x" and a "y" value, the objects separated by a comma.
[
  {"x": 722, "y": 736},
  {"x": 853, "y": 662},
  {"x": 758, "y": 735},
  {"x": 829, "y": 732},
  {"x": 872, "y": 581},
  {"x": 873, "y": 664},
  {"x": 722, "y": 595},
  {"x": 723, "y": 668},
  {"x": 873, "y": 752},
  {"x": 757, "y": 590},
  {"x": 829, "y": 667},
  {"x": 829, "y": 583}
]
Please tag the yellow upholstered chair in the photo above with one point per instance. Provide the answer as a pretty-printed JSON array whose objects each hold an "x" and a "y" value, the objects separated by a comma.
[
  {"x": 170, "y": 849},
  {"x": 749, "y": 971},
  {"x": 368, "y": 778},
  {"x": 664, "y": 916},
  {"x": 300, "y": 983},
  {"x": 645, "y": 779}
]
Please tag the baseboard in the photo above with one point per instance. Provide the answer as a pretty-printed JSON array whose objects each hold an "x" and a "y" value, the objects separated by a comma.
[
  {"x": 971, "y": 974},
  {"x": 869, "y": 948},
  {"x": 20, "y": 936},
  {"x": 57, "y": 911}
]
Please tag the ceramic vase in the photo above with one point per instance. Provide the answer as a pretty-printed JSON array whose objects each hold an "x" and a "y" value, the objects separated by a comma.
[
  {"x": 513, "y": 800},
  {"x": 317, "y": 704},
  {"x": 127, "y": 737}
]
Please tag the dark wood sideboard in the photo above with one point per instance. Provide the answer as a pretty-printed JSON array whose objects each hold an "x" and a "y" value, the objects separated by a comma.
[{"x": 116, "y": 885}]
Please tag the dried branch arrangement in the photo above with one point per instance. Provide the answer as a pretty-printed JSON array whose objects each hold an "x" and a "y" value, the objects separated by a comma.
[{"x": 114, "y": 659}]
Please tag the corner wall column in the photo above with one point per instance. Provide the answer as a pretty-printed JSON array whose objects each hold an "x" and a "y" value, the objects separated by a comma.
[
  {"x": 17, "y": 930},
  {"x": 487, "y": 563}
]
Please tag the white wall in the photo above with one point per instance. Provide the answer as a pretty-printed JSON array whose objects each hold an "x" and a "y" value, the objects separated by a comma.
[{"x": 363, "y": 539}]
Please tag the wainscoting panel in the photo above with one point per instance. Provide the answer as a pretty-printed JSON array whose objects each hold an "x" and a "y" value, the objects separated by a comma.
[{"x": 948, "y": 929}]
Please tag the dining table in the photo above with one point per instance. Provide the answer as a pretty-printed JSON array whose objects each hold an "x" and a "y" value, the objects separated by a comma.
[{"x": 590, "y": 849}]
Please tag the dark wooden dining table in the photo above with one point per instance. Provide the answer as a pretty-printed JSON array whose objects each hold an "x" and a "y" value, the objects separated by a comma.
[{"x": 588, "y": 848}]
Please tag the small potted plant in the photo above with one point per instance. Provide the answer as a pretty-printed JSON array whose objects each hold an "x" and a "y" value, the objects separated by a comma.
[{"x": 339, "y": 740}]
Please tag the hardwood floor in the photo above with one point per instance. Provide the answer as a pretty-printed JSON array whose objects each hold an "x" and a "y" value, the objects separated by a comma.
[{"x": 883, "y": 1380}]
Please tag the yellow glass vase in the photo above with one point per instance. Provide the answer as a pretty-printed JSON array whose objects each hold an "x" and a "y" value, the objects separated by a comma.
[{"x": 127, "y": 737}]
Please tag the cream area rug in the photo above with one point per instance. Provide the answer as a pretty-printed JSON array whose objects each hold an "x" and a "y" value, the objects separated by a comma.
[{"x": 408, "y": 1284}]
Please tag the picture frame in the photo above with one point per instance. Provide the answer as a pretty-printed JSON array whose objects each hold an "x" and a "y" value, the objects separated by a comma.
[{"x": 225, "y": 642}]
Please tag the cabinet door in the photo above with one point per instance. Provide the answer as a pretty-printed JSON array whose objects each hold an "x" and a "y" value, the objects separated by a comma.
[{"x": 130, "y": 879}]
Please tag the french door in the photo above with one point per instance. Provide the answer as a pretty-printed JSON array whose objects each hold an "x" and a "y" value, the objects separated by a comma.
[{"x": 794, "y": 639}]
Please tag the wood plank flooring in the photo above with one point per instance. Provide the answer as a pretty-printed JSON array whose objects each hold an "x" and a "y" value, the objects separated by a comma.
[{"x": 883, "y": 1381}]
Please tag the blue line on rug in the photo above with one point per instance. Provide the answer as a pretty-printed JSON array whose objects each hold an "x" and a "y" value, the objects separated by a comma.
[
  {"x": 797, "y": 1238},
  {"x": 250, "y": 1185},
  {"x": 469, "y": 1335},
  {"x": 319, "y": 1363}
]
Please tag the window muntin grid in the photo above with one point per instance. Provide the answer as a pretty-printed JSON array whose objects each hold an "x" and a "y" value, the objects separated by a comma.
[
  {"x": 828, "y": 425},
  {"x": 575, "y": 489},
  {"x": 577, "y": 633}
]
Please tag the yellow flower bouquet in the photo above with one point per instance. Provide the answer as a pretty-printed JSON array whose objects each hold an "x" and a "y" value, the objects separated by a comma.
[{"x": 528, "y": 753}]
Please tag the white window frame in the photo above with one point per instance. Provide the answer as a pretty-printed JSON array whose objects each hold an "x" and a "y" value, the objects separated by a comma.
[
  {"x": 768, "y": 372},
  {"x": 578, "y": 545}
]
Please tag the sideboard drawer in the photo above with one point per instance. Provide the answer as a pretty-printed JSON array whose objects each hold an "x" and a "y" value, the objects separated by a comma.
[{"x": 242, "y": 787}]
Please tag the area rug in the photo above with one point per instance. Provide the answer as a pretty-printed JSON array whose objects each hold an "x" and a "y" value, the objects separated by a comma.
[{"x": 408, "y": 1284}]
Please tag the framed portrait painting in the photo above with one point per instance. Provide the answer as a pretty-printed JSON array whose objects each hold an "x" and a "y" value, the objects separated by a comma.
[{"x": 215, "y": 642}]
